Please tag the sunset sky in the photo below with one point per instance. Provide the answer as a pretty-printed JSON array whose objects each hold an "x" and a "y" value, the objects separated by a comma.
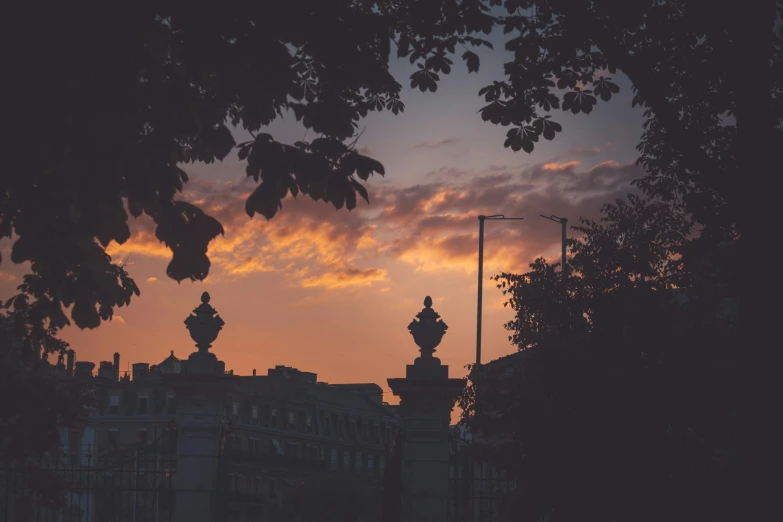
[{"x": 332, "y": 292}]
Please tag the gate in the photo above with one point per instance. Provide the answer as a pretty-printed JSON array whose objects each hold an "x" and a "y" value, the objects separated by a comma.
[
  {"x": 479, "y": 491},
  {"x": 133, "y": 486},
  {"x": 392, "y": 480}
]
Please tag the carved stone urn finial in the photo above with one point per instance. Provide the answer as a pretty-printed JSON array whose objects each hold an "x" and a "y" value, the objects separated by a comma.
[
  {"x": 428, "y": 331},
  {"x": 204, "y": 325}
]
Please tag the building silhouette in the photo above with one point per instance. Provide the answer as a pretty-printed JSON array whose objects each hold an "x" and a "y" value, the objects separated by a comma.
[{"x": 283, "y": 431}]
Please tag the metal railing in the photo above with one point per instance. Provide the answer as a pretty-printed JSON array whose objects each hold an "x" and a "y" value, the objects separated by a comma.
[{"x": 133, "y": 486}]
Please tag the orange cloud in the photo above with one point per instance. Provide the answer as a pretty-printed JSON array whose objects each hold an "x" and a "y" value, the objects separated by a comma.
[
  {"x": 6, "y": 277},
  {"x": 432, "y": 226},
  {"x": 313, "y": 243},
  {"x": 607, "y": 163},
  {"x": 142, "y": 243},
  {"x": 152, "y": 279},
  {"x": 558, "y": 167},
  {"x": 118, "y": 318},
  {"x": 346, "y": 277}
]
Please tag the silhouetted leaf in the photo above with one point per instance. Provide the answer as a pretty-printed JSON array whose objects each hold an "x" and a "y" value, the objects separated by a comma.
[
  {"x": 604, "y": 88},
  {"x": 472, "y": 61},
  {"x": 521, "y": 138},
  {"x": 264, "y": 200},
  {"x": 84, "y": 314},
  {"x": 358, "y": 187},
  {"x": 425, "y": 80}
]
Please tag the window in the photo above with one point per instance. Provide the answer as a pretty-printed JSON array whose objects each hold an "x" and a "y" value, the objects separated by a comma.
[
  {"x": 171, "y": 404},
  {"x": 376, "y": 434},
  {"x": 234, "y": 442},
  {"x": 254, "y": 414},
  {"x": 232, "y": 483},
  {"x": 346, "y": 461},
  {"x": 141, "y": 436},
  {"x": 254, "y": 445},
  {"x": 292, "y": 421},
  {"x": 292, "y": 449},
  {"x": 310, "y": 452},
  {"x": 235, "y": 409},
  {"x": 258, "y": 486},
  {"x": 272, "y": 488},
  {"x": 143, "y": 404},
  {"x": 113, "y": 439},
  {"x": 370, "y": 464},
  {"x": 114, "y": 404},
  {"x": 382, "y": 464},
  {"x": 249, "y": 484},
  {"x": 170, "y": 438},
  {"x": 358, "y": 463},
  {"x": 240, "y": 484},
  {"x": 333, "y": 459},
  {"x": 273, "y": 417}
]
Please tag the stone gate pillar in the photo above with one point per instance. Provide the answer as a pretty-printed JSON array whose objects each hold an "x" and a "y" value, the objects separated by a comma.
[
  {"x": 201, "y": 389},
  {"x": 427, "y": 397}
]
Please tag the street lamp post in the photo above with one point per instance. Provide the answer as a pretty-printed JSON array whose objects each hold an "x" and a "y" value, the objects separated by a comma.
[
  {"x": 563, "y": 222},
  {"x": 481, "y": 277}
]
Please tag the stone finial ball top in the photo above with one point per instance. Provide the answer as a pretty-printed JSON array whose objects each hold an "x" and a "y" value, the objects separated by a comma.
[
  {"x": 205, "y": 297},
  {"x": 428, "y": 302}
]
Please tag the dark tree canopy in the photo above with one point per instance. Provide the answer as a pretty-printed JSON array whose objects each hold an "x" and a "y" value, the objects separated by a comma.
[
  {"x": 109, "y": 102},
  {"x": 35, "y": 403},
  {"x": 115, "y": 102},
  {"x": 622, "y": 403}
]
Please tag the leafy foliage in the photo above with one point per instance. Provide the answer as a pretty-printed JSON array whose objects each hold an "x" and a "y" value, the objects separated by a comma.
[
  {"x": 35, "y": 401},
  {"x": 687, "y": 62},
  {"x": 128, "y": 101},
  {"x": 621, "y": 403}
]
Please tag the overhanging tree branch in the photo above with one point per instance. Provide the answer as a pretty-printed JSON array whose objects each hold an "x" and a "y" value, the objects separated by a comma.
[{"x": 652, "y": 92}]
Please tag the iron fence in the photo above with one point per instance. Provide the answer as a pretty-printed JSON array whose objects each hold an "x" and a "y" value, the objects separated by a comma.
[
  {"x": 479, "y": 490},
  {"x": 131, "y": 486}
]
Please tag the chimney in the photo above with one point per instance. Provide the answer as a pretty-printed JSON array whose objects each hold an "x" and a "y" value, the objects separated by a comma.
[
  {"x": 106, "y": 370},
  {"x": 254, "y": 372},
  {"x": 116, "y": 366},
  {"x": 140, "y": 370},
  {"x": 84, "y": 369},
  {"x": 69, "y": 367}
]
